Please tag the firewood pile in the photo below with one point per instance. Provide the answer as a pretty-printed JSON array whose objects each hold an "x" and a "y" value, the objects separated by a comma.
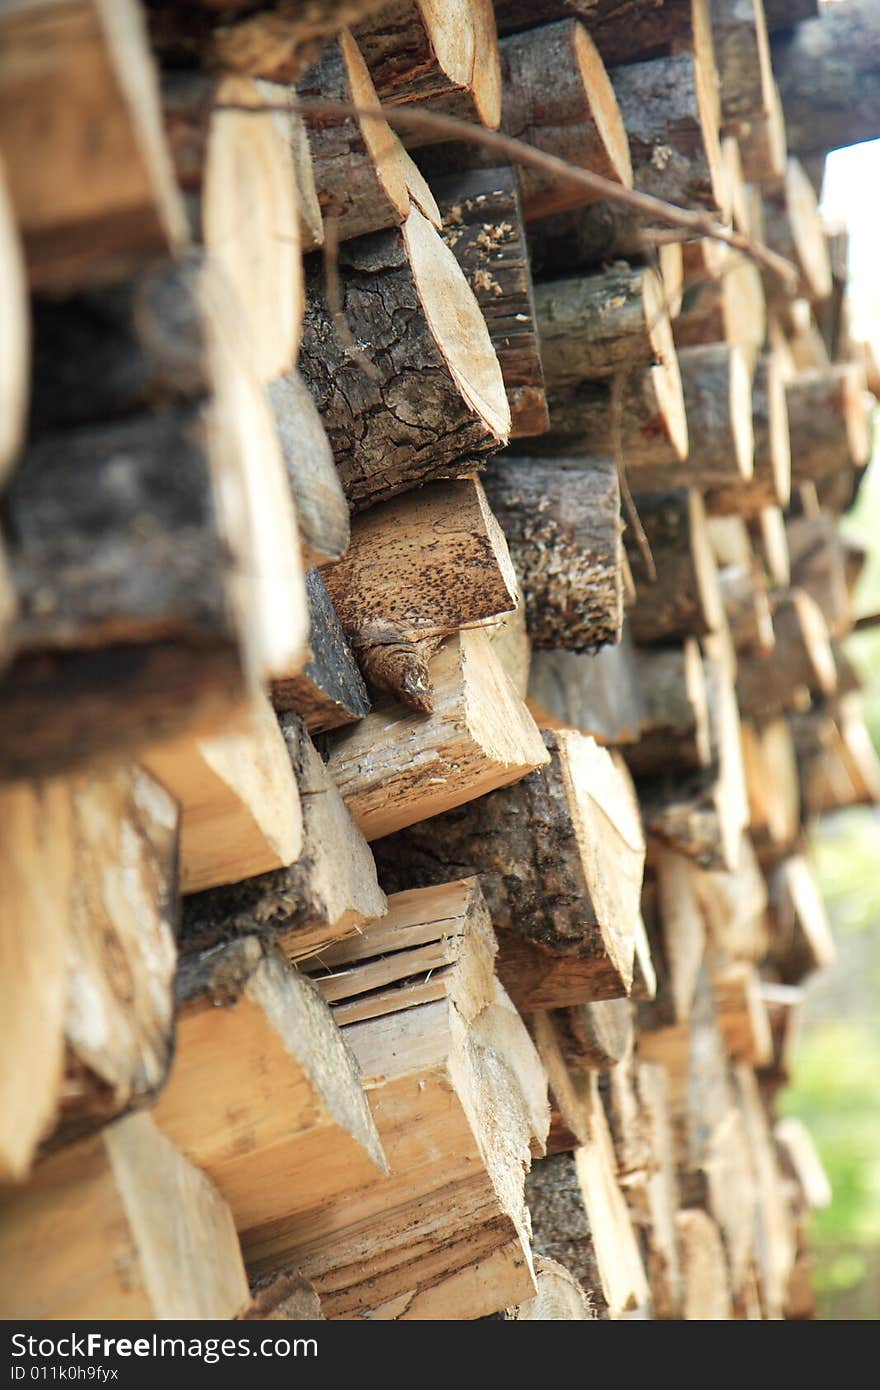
[{"x": 422, "y": 619}]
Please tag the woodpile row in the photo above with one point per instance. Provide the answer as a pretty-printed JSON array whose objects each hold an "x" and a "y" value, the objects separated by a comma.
[{"x": 422, "y": 621}]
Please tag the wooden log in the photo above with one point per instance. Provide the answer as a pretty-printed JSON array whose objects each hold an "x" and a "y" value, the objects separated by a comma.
[
  {"x": 703, "y": 1268},
  {"x": 78, "y": 104},
  {"x": 800, "y": 1159},
  {"x": 742, "y": 1014},
  {"x": 685, "y": 598},
  {"x": 561, "y": 1228},
  {"x": 774, "y": 1246},
  {"x": 770, "y": 483},
  {"x": 675, "y": 712},
  {"x": 566, "y": 938},
  {"x": 484, "y": 228},
  {"x": 561, "y": 518},
  {"x": 512, "y": 645},
  {"x": 479, "y": 737},
  {"x": 742, "y": 54},
  {"x": 792, "y": 227},
  {"x": 15, "y": 334},
  {"x": 264, "y": 1089},
  {"x": 596, "y": 325},
  {"x": 801, "y": 659},
  {"x": 594, "y": 1036},
  {"x": 418, "y": 568},
  {"x": 763, "y": 143},
  {"x": 595, "y": 693},
  {"x": 435, "y": 401},
  {"x": 329, "y": 691},
  {"x": 418, "y": 51},
  {"x": 747, "y": 607},
  {"x": 670, "y": 262},
  {"x": 311, "y": 223},
  {"x": 717, "y": 400},
  {"x": 327, "y": 893},
  {"x": 828, "y": 422},
  {"x": 772, "y": 778},
  {"x": 235, "y": 166},
  {"x": 639, "y": 414},
  {"x": 727, "y": 306},
  {"x": 835, "y": 55},
  {"x": 557, "y": 97},
  {"x": 156, "y": 1237},
  {"x": 90, "y": 899},
  {"x": 652, "y": 1195},
  {"x": 817, "y": 566},
  {"x": 560, "y": 1297},
  {"x": 623, "y": 32},
  {"x": 321, "y": 508},
  {"x": 238, "y": 797},
  {"x": 800, "y": 937}
]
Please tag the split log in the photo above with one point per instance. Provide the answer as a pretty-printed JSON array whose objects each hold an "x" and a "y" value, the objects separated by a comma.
[
  {"x": 417, "y": 51},
  {"x": 560, "y": 1297},
  {"x": 800, "y": 937},
  {"x": 770, "y": 484},
  {"x": 417, "y": 569},
  {"x": 90, "y": 899},
  {"x": 311, "y": 224},
  {"x": 557, "y": 97},
  {"x": 793, "y": 228},
  {"x": 772, "y": 779},
  {"x": 329, "y": 691},
  {"x": 801, "y": 659},
  {"x": 15, "y": 335},
  {"x": 703, "y": 1268},
  {"x": 827, "y": 69},
  {"x": 238, "y": 797},
  {"x": 512, "y": 645},
  {"x": 763, "y": 143},
  {"x": 321, "y": 508},
  {"x": 78, "y": 104},
  {"x": 479, "y": 737},
  {"x": 694, "y": 816},
  {"x": 685, "y": 598},
  {"x": 594, "y": 1036},
  {"x": 769, "y": 530},
  {"x": 639, "y": 415},
  {"x": 675, "y": 713},
  {"x": 799, "y": 1157},
  {"x": 484, "y": 228},
  {"x": 327, "y": 893},
  {"x": 742, "y": 1014},
  {"x": 152, "y": 1231},
  {"x": 596, "y": 325},
  {"x": 828, "y": 422},
  {"x": 652, "y": 1196},
  {"x": 478, "y": 98},
  {"x": 718, "y": 405},
  {"x": 435, "y": 399},
  {"x": 595, "y": 693},
  {"x": 237, "y": 172},
  {"x": 670, "y": 262},
  {"x": 774, "y": 1245},
  {"x": 264, "y": 1095},
  {"x": 561, "y": 518},
  {"x": 565, "y": 938}
]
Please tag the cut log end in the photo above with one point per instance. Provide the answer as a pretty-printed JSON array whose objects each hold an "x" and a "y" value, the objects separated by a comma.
[{"x": 603, "y": 108}]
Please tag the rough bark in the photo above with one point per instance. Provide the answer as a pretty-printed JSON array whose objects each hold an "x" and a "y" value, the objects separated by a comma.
[
  {"x": 684, "y": 599},
  {"x": 561, "y": 518},
  {"x": 827, "y": 421},
  {"x": 770, "y": 484},
  {"x": 329, "y": 691},
  {"x": 675, "y": 719},
  {"x": 484, "y": 228},
  {"x": 594, "y": 326},
  {"x": 622, "y": 30},
  {"x": 434, "y": 401},
  {"x": 561, "y": 1228},
  {"x": 593, "y": 692},
  {"x": 415, "y": 51},
  {"x": 321, "y": 508}
]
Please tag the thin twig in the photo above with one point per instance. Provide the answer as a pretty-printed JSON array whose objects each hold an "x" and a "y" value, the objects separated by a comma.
[{"x": 691, "y": 220}]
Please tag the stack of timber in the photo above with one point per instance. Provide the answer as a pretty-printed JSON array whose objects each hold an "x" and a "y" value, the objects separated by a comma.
[{"x": 423, "y": 611}]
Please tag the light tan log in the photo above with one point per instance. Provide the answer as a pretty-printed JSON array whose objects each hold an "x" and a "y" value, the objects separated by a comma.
[
  {"x": 670, "y": 262},
  {"x": 264, "y": 1095},
  {"x": 685, "y": 598},
  {"x": 479, "y": 737},
  {"x": 770, "y": 484},
  {"x": 763, "y": 144},
  {"x": 772, "y": 781},
  {"x": 726, "y": 305},
  {"x": 321, "y": 508},
  {"x": 238, "y": 173},
  {"x": 769, "y": 528},
  {"x": 416, "y": 51},
  {"x": 703, "y": 1268},
  {"x": 512, "y": 645},
  {"x": 800, "y": 1158},
  {"x": 557, "y": 97},
  {"x": 420, "y": 566},
  {"x": 87, "y": 169},
  {"x": 595, "y": 693},
  {"x": 15, "y": 334},
  {"x": 774, "y": 1247},
  {"x": 436, "y": 400},
  {"x": 560, "y": 1297},
  {"x": 800, "y": 936},
  {"x": 136, "y": 1232},
  {"x": 733, "y": 904},
  {"x": 828, "y": 422},
  {"x": 240, "y": 806},
  {"x": 793, "y": 228},
  {"x": 327, "y": 893},
  {"x": 311, "y": 224},
  {"x": 652, "y": 1194},
  {"x": 742, "y": 1014},
  {"x": 563, "y": 940}
]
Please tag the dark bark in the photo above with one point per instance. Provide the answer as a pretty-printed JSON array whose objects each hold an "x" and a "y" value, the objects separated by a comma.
[{"x": 330, "y": 690}]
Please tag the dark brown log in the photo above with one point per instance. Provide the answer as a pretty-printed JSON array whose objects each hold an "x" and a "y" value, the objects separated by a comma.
[
  {"x": 596, "y": 692},
  {"x": 561, "y": 518},
  {"x": 622, "y": 30},
  {"x": 434, "y": 401},
  {"x": 685, "y": 599},
  {"x": 675, "y": 712},
  {"x": 329, "y": 691},
  {"x": 479, "y": 100},
  {"x": 565, "y": 928},
  {"x": 828, "y": 422},
  {"x": 594, "y": 1035},
  {"x": 827, "y": 71},
  {"x": 801, "y": 660},
  {"x": 561, "y": 1227},
  {"x": 322, "y": 513},
  {"x": 419, "y": 568},
  {"x": 723, "y": 301},
  {"x": 786, "y": 14},
  {"x": 594, "y": 326},
  {"x": 640, "y": 413},
  {"x": 747, "y": 606},
  {"x": 483, "y": 227},
  {"x": 770, "y": 484},
  {"x": 817, "y": 566},
  {"x": 742, "y": 54},
  {"x": 556, "y": 96},
  {"x": 792, "y": 227}
]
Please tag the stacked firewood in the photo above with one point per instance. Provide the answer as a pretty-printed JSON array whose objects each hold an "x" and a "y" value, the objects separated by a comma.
[{"x": 422, "y": 610}]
